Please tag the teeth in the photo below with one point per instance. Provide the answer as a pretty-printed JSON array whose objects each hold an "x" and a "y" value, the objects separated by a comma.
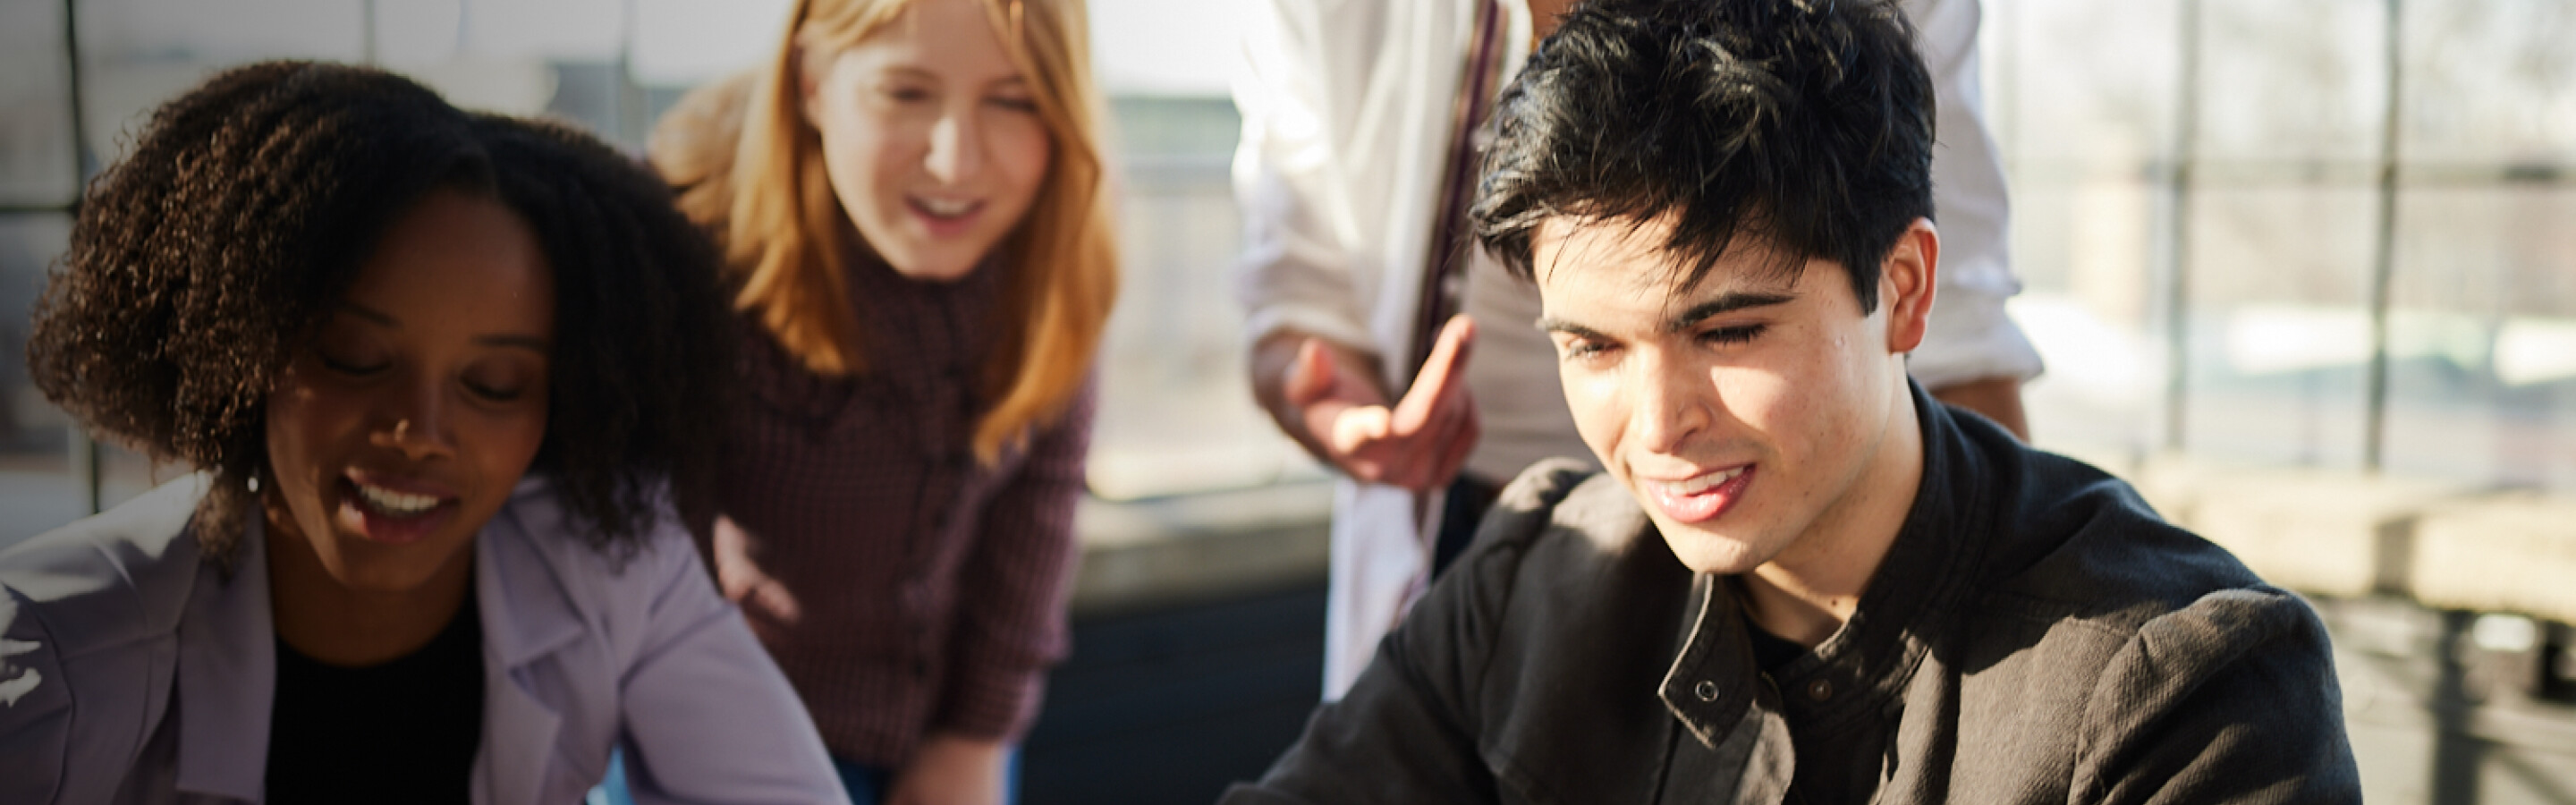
[
  {"x": 1704, "y": 483},
  {"x": 398, "y": 504},
  {"x": 945, "y": 208}
]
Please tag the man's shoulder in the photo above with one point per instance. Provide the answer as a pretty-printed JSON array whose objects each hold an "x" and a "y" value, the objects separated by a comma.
[
  {"x": 110, "y": 578},
  {"x": 1562, "y": 499},
  {"x": 2139, "y": 643},
  {"x": 1566, "y": 554},
  {"x": 2081, "y": 544}
]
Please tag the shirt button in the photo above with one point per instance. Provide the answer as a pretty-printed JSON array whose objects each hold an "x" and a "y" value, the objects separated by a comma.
[
  {"x": 1820, "y": 690},
  {"x": 1707, "y": 691}
]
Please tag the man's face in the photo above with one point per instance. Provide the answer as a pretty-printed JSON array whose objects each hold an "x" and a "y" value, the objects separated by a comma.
[{"x": 1747, "y": 411}]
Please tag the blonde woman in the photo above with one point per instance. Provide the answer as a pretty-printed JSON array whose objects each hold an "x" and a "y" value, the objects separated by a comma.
[{"x": 911, "y": 203}]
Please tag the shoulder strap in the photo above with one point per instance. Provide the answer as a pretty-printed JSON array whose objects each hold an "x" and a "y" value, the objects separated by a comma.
[{"x": 1445, "y": 261}]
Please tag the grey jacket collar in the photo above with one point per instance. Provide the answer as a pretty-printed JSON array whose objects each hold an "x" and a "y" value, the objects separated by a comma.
[{"x": 228, "y": 662}]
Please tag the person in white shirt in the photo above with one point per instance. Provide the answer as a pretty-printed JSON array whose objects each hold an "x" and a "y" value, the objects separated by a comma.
[{"x": 1359, "y": 147}]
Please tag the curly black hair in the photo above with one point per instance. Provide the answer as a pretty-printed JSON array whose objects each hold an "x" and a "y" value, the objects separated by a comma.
[
  {"x": 201, "y": 262},
  {"x": 1805, "y": 125}
]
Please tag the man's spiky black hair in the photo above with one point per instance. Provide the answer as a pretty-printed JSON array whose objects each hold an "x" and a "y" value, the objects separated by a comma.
[{"x": 1806, "y": 127}]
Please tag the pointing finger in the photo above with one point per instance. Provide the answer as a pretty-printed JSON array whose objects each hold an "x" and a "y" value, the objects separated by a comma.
[{"x": 1442, "y": 375}]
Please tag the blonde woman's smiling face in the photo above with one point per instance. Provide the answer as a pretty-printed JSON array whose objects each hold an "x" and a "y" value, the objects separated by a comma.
[{"x": 931, "y": 137}]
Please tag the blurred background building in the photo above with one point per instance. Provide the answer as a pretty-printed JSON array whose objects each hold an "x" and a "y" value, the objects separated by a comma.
[{"x": 2303, "y": 269}]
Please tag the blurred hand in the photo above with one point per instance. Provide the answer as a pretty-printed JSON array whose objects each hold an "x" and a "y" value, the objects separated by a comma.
[
  {"x": 1328, "y": 399},
  {"x": 951, "y": 770},
  {"x": 1998, "y": 398},
  {"x": 742, "y": 580}
]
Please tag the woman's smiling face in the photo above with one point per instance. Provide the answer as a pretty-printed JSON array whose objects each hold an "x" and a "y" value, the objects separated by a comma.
[
  {"x": 931, "y": 137},
  {"x": 407, "y": 418}
]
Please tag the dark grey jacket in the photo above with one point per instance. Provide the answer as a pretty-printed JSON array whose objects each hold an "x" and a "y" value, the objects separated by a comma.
[{"x": 2035, "y": 635}]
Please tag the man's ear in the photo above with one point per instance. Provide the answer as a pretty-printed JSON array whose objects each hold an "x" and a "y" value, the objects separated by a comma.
[{"x": 1905, "y": 284}]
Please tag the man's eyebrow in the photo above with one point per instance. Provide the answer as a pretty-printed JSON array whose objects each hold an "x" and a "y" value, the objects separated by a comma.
[
  {"x": 1728, "y": 302},
  {"x": 1552, "y": 324},
  {"x": 363, "y": 312}
]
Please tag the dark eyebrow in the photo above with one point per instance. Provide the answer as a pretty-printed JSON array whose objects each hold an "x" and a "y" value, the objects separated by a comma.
[
  {"x": 1728, "y": 302},
  {"x": 363, "y": 312},
  {"x": 1553, "y": 324},
  {"x": 527, "y": 342}
]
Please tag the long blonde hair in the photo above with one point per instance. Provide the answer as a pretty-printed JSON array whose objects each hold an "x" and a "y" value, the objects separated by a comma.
[{"x": 749, "y": 167}]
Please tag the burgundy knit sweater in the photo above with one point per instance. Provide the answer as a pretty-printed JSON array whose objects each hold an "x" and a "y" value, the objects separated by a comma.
[{"x": 930, "y": 589}]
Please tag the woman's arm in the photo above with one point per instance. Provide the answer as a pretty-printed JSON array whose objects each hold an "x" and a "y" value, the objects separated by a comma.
[
  {"x": 709, "y": 717},
  {"x": 1010, "y": 622},
  {"x": 1973, "y": 355},
  {"x": 35, "y": 705}
]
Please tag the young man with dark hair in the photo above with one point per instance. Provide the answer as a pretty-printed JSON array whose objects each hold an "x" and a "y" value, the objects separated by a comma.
[{"x": 1800, "y": 578}]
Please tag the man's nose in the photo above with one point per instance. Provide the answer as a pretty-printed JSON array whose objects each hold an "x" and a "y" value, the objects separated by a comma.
[{"x": 1671, "y": 401}]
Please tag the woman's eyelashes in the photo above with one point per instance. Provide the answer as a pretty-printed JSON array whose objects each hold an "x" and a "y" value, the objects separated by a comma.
[
  {"x": 914, "y": 94},
  {"x": 908, "y": 94},
  {"x": 499, "y": 393},
  {"x": 350, "y": 364},
  {"x": 502, "y": 379},
  {"x": 498, "y": 386}
]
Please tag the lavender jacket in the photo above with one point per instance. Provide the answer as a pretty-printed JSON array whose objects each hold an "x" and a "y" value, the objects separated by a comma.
[{"x": 133, "y": 672}]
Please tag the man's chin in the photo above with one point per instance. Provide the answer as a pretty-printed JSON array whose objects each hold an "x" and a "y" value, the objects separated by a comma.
[{"x": 1704, "y": 552}]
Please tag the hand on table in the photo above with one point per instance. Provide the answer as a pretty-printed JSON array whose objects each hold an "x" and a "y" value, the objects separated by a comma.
[{"x": 951, "y": 770}]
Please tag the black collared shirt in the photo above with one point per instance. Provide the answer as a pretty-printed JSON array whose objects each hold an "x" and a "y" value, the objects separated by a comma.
[{"x": 2035, "y": 635}]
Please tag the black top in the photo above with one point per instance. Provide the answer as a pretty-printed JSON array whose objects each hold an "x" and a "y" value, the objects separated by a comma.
[
  {"x": 404, "y": 731},
  {"x": 1772, "y": 652}
]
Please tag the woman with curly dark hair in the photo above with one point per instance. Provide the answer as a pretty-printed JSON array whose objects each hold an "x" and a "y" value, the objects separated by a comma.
[{"x": 445, "y": 378}]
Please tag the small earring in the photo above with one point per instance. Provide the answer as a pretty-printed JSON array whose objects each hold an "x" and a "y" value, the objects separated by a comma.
[{"x": 253, "y": 483}]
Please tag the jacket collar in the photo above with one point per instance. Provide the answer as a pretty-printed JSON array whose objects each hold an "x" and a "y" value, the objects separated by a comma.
[
  {"x": 527, "y": 615},
  {"x": 527, "y": 612},
  {"x": 227, "y": 674},
  {"x": 1861, "y": 667},
  {"x": 228, "y": 657}
]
